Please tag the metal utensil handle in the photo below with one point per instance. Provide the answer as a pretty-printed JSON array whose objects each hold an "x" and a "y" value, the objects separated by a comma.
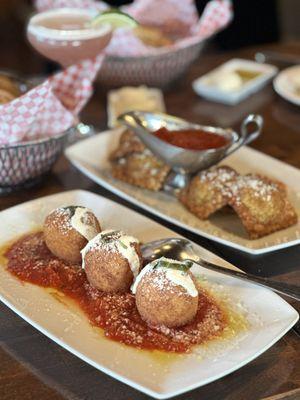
[
  {"x": 282, "y": 288},
  {"x": 246, "y": 136},
  {"x": 282, "y": 58}
]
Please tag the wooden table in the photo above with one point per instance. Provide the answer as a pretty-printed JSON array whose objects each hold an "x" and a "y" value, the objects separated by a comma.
[{"x": 33, "y": 367}]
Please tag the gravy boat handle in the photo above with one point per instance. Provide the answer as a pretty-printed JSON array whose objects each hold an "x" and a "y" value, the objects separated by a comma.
[{"x": 246, "y": 136}]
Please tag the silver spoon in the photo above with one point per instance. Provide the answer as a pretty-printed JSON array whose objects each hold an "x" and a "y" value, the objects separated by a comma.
[{"x": 181, "y": 249}]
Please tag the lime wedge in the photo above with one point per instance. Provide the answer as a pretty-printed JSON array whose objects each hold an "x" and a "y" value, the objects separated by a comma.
[{"x": 115, "y": 18}]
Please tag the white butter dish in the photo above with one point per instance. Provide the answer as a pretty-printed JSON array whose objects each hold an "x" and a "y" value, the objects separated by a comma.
[{"x": 234, "y": 80}]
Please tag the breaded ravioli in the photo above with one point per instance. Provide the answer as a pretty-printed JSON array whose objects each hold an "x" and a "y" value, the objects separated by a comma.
[
  {"x": 133, "y": 163},
  {"x": 141, "y": 169},
  {"x": 208, "y": 191},
  {"x": 262, "y": 205},
  {"x": 128, "y": 143},
  {"x": 111, "y": 261},
  {"x": 166, "y": 293},
  {"x": 67, "y": 230}
]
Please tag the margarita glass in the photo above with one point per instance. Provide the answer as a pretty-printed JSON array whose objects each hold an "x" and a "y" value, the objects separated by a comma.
[{"x": 65, "y": 35}]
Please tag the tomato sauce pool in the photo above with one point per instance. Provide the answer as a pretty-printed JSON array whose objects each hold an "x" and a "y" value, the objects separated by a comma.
[
  {"x": 192, "y": 139},
  {"x": 30, "y": 260}
]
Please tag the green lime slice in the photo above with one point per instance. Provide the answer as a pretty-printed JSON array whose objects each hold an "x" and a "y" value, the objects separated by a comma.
[{"x": 115, "y": 18}]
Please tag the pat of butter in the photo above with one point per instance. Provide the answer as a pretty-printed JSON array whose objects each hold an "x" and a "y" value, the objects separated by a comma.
[
  {"x": 130, "y": 98},
  {"x": 227, "y": 81},
  {"x": 296, "y": 80}
]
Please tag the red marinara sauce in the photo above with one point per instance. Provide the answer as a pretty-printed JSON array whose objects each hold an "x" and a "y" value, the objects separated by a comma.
[
  {"x": 30, "y": 260},
  {"x": 192, "y": 139}
]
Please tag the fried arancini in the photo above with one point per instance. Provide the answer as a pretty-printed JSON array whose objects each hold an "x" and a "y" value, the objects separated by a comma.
[
  {"x": 166, "y": 293},
  {"x": 111, "y": 261},
  {"x": 141, "y": 169},
  {"x": 208, "y": 191},
  {"x": 262, "y": 205},
  {"x": 67, "y": 230}
]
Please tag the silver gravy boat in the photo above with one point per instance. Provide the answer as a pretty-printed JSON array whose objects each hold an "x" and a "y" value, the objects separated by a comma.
[{"x": 185, "y": 162}]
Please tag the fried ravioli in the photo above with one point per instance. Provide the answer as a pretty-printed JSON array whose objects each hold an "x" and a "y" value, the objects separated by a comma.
[
  {"x": 261, "y": 204},
  {"x": 129, "y": 143},
  {"x": 141, "y": 169},
  {"x": 208, "y": 191}
]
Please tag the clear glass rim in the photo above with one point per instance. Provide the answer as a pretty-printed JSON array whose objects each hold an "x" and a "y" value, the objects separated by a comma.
[{"x": 60, "y": 34}]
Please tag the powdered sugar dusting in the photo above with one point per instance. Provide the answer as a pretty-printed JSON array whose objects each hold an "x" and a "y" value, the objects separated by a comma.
[
  {"x": 231, "y": 184},
  {"x": 222, "y": 174},
  {"x": 259, "y": 187},
  {"x": 61, "y": 219},
  {"x": 222, "y": 177}
]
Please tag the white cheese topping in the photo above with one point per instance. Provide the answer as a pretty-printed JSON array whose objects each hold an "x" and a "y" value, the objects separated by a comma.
[
  {"x": 144, "y": 271},
  {"x": 79, "y": 223},
  {"x": 130, "y": 253},
  {"x": 177, "y": 277},
  {"x": 121, "y": 243},
  {"x": 183, "y": 279},
  {"x": 92, "y": 243}
]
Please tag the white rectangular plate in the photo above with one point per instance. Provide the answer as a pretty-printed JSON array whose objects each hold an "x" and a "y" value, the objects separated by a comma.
[
  {"x": 90, "y": 156},
  {"x": 269, "y": 316}
]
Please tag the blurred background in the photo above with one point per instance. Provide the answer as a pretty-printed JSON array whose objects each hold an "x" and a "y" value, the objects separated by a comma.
[{"x": 255, "y": 22}]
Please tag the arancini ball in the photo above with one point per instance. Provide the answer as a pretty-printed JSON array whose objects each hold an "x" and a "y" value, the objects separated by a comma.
[
  {"x": 166, "y": 293},
  {"x": 111, "y": 261},
  {"x": 67, "y": 230}
]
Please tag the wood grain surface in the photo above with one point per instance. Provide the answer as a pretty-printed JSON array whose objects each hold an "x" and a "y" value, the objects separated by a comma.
[{"x": 33, "y": 367}]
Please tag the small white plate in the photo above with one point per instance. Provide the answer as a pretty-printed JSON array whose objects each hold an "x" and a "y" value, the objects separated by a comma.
[
  {"x": 284, "y": 84},
  {"x": 204, "y": 88},
  {"x": 90, "y": 156},
  {"x": 269, "y": 316}
]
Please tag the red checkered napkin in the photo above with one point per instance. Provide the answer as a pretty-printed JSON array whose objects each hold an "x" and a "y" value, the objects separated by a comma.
[
  {"x": 216, "y": 15},
  {"x": 176, "y": 17},
  {"x": 50, "y": 108}
]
